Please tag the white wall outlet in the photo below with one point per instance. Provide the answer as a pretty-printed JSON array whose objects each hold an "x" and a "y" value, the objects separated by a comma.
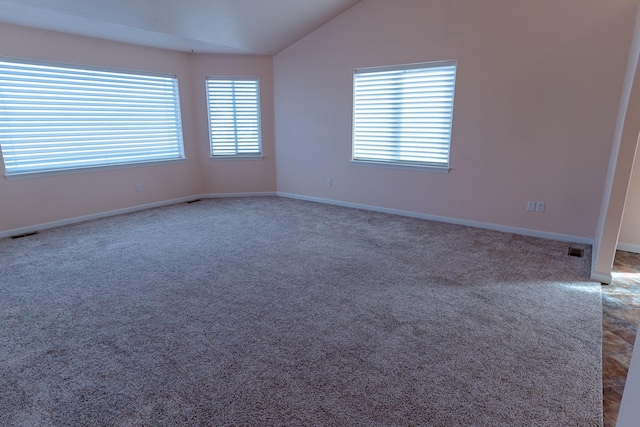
[
  {"x": 329, "y": 182},
  {"x": 540, "y": 207},
  {"x": 138, "y": 187},
  {"x": 531, "y": 206}
]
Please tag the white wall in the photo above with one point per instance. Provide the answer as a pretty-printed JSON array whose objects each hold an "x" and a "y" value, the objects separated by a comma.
[{"x": 536, "y": 102}]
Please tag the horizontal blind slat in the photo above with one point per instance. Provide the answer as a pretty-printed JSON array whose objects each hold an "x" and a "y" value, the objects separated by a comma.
[
  {"x": 234, "y": 116},
  {"x": 55, "y": 117},
  {"x": 404, "y": 115}
]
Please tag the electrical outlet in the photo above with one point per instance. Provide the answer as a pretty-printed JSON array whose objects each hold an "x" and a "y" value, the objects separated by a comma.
[
  {"x": 540, "y": 207},
  {"x": 329, "y": 183},
  {"x": 531, "y": 206},
  {"x": 138, "y": 187}
]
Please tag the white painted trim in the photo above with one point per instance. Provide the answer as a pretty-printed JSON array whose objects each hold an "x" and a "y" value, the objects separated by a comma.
[
  {"x": 225, "y": 195},
  {"x": 628, "y": 247},
  {"x": 48, "y": 225},
  {"x": 477, "y": 224},
  {"x": 601, "y": 277},
  {"x": 514, "y": 230}
]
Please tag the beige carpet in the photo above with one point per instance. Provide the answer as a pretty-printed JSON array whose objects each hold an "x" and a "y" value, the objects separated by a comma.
[{"x": 270, "y": 311}]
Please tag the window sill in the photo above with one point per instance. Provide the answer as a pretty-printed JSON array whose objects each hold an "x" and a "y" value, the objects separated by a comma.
[
  {"x": 392, "y": 165},
  {"x": 25, "y": 175},
  {"x": 238, "y": 157}
]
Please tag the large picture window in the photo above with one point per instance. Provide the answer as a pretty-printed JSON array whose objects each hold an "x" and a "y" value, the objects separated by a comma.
[
  {"x": 57, "y": 117},
  {"x": 402, "y": 115},
  {"x": 234, "y": 117}
]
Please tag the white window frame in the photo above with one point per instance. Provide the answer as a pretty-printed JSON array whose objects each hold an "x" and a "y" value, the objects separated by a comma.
[
  {"x": 62, "y": 118},
  {"x": 425, "y": 142},
  {"x": 227, "y": 124}
]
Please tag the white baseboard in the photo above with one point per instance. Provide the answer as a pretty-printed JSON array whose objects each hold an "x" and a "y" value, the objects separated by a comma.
[
  {"x": 477, "y": 224},
  {"x": 627, "y": 247},
  {"x": 75, "y": 220},
  {"x": 514, "y": 230},
  {"x": 224, "y": 195}
]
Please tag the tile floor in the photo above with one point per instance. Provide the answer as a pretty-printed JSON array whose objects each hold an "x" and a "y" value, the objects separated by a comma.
[{"x": 620, "y": 318}]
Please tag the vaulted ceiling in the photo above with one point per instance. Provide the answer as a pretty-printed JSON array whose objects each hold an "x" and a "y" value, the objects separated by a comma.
[{"x": 213, "y": 26}]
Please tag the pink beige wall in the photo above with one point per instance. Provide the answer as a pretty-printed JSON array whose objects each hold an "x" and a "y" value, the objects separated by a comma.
[
  {"x": 29, "y": 202},
  {"x": 537, "y": 96},
  {"x": 235, "y": 175}
]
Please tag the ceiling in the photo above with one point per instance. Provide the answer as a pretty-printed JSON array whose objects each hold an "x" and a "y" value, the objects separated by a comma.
[{"x": 212, "y": 26}]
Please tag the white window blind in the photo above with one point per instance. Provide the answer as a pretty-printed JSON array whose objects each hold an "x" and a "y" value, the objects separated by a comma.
[
  {"x": 55, "y": 117},
  {"x": 403, "y": 114},
  {"x": 234, "y": 117}
]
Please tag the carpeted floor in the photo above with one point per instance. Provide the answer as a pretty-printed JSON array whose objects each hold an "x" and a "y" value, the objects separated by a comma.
[{"x": 270, "y": 311}]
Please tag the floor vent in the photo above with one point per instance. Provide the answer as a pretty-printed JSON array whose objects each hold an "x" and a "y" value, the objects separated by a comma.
[
  {"x": 576, "y": 252},
  {"x": 193, "y": 201},
  {"x": 19, "y": 236}
]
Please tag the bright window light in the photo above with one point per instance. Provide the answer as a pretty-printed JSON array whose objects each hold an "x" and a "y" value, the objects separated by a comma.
[
  {"x": 60, "y": 117},
  {"x": 403, "y": 114},
  {"x": 234, "y": 117}
]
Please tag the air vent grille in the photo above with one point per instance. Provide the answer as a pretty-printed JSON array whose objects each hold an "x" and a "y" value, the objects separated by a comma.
[
  {"x": 577, "y": 252},
  {"x": 19, "y": 236}
]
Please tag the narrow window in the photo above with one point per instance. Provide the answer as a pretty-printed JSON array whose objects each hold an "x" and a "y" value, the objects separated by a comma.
[
  {"x": 56, "y": 117},
  {"x": 234, "y": 117},
  {"x": 403, "y": 114}
]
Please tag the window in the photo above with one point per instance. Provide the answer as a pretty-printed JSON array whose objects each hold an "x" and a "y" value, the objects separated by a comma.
[
  {"x": 403, "y": 114},
  {"x": 234, "y": 117},
  {"x": 58, "y": 117}
]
